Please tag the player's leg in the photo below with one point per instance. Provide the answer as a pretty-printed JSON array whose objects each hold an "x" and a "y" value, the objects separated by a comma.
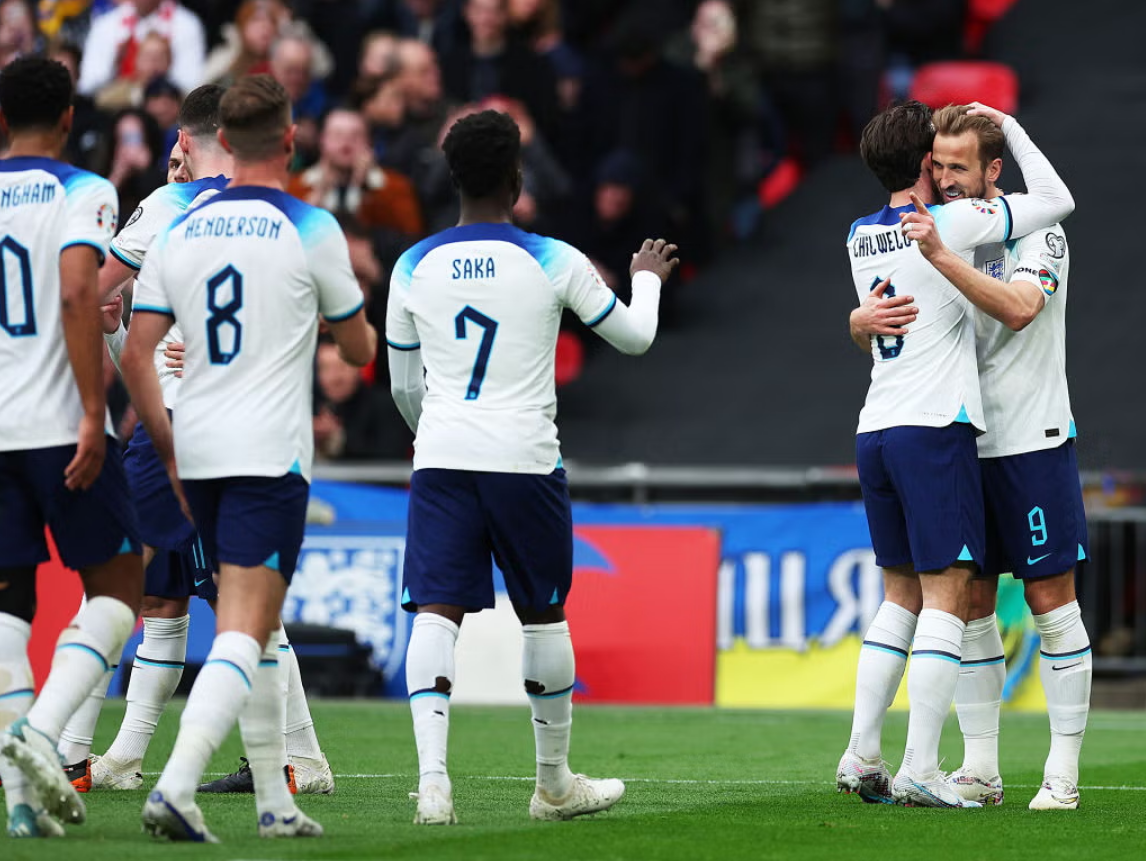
[
  {"x": 241, "y": 520},
  {"x": 936, "y": 473},
  {"x": 95, "y": 534},
  {"x": 883, "y": 655},
  {"x": 531, "y": 528},
  {"x": 979, "y": 697},
  {"x": 156, "y": 671},
  {"x": 1056, "y": 541},
  {"x": 305, "y": 760},
  {"x": 446, "y": 572}
]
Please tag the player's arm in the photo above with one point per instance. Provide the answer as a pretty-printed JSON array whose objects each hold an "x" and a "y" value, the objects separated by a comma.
[
  {"x": 356, "y": 339},
  {"x": 631, "y": 328},
  {"x": 79, "y": 314},
  {"x": 1014, "y": 303},
  {"x": 881, "y": 315},
  {"x": 404, "y": 353},
  {"x": 114, "y": 276}
]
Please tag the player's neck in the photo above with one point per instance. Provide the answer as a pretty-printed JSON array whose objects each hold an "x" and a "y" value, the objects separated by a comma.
[
  {"x": 484, "y": 212},
  {"x": 212, "y": 167},
  {"x": 923, "y": 189},
  {"x": 35, "y": 145},
  {"x": 262, "y": 173}
]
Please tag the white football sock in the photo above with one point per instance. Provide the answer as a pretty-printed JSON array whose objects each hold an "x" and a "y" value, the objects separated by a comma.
[
  {"x": 155, "y": 676},
  {"x": 217, "y": 697},
  {"x": 931, "y": 681},
  {"x": 878, "y": 674},
  {"x": 76, "y": 737},
  {"x": 548, "y": 667},
  {"x": 261, "y": 724},
  {"x": 1065, "y": 669},
  {"x": 979, "y": 695},
  {"x": 298, "y": 725},
  {"x": 83, "y": 654},
  {"x": 429, "y": 680},
  {"x": 16, "y": 692}
]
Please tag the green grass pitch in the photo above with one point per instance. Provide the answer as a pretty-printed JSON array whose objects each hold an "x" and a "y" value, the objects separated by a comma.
[{"x": 702, "y": 784}]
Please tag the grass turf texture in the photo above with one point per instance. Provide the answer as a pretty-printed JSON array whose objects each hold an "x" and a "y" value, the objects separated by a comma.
[{"x": 702, "y": 784}]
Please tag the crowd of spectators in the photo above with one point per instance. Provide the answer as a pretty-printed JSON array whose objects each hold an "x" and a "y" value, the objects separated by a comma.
[{"x": 638, "y": 117}]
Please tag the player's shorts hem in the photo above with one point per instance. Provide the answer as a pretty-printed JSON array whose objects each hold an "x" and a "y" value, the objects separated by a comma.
[{"x": 411, "y": 606}]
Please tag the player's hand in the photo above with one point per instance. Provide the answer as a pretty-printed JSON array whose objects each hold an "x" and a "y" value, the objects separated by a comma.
[
  {"x": 884, "y": 315},
  {"x": 174, "y": 356},
  {"x": 657, "y": 257},
  {"x": 91, "y": 448},
  {"x": 111, "y": 315},
  {"x": 978, "y": 109},
  {"x": 919, "y": 227}
]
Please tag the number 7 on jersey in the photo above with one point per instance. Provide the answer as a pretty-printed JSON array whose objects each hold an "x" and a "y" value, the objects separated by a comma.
[{"x": 489, "y": 331}]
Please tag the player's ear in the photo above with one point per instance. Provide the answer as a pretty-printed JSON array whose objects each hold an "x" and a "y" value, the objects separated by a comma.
[
  {"x": 223, "y": 142},
  {"x": 288, "y": 139},
  {"x": 994, "y": 169},
  {"x": 183, "y": 140},
  {"x": 65, "y": 121}
]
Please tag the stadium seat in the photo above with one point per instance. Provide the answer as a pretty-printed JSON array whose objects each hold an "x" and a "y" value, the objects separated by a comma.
[
  {"x": 981, "y": 14},
  {"x": 781, "y": 182},
  {"x": 961, "y": 81},
  {"x": 570, "y": 358}
]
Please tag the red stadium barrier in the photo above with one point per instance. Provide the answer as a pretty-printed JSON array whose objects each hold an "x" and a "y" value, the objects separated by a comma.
[
  {"x": 644, "y": 606},
  {"x": 981, "y": 14},
  {"x": 58, "y": 596},
  {"x": 961, "y": 81}
]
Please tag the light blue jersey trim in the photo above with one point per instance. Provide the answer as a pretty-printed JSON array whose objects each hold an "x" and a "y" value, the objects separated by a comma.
[
  {"x": 272, "y": 561},
  {"x": 1010, "y": 222},
  {"x": 1072, "y": 431},
  {"x": 884, "y": 649},
  {"x": 233, "y": 666},
  {"x": 1082, "y": 557},
  {"x": 312, "y": 224},
  {"x": 948, "y": 658},
  {"x": 421, "y": 694},
  {"x": 405, "y": 348},
  {"x": 965, "y": 555},
  {"x": 118, "y": 255},
  {"x": 83, "y": 648},
  {"x": 154, "y": 309},
  {"x": 963, "y": 418},
  {"x": 99, "y": 249},
  {"x": 23, "y": 692}
]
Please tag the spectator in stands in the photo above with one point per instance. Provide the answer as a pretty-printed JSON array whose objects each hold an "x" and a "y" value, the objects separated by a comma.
[
  {"x": 246, "y": 46},
  {"x": 89, "y": 124},
  {"x": 378, "y": 56},
  {"x": 152, "y": 61},
  {"x": 420, "y": 77},
  {"x": 623, "y": 211},
  {"x": 112, "y": 45},
  {"x": 353, "y": 421},
  {"x": 546, "y": 187},
  {"x": 658, "y": 111},
  {"x": 132, "y": 157},
  {"x": 293, "y": 66},
  {"x": 382, "y": 103},
  {"x": 491, "y": 63},
  {"x": 162, "y": 100},
  {"x": 347, "y": 179},
  {"x": 437, "y": 23},
  {"x": 538, "y": 23},
  {"x": 19, "y": 35},
  {"x": 737, "y": 156}
]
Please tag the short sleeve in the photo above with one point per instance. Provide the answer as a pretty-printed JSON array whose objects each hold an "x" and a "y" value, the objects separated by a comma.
[
  {"x": 92, "y": 212},
  {"x": 1041, "y": 258},
  {"x": 966, "y": 224},
  {"x": 401, "y": 333},
  {"x": 585, "y": 292},
  {"x": 150, "y": 292},
  {"x": 339, "y": 296}
]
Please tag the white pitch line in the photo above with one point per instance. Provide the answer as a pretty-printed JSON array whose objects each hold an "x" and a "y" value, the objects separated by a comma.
[{"x": 665, "y": 780}]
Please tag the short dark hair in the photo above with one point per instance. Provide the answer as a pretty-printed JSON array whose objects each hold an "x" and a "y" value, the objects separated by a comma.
[
  {"x": 199, "y": 114},
  {"x": 895, "y": 142},
  {"x": 34, "y": 93},
  {"x": 254, "y": 114},
  {"x": 484, "y": 153}
]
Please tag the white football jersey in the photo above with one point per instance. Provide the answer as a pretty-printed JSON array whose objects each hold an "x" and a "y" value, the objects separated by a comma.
[
  {"x": 246, "y": 274},
  {"x": 927, "y": 377},
  {"x": 483, "y": 302},
  {"x": 45, "y": 207},
  {"x": 1023, "y": 374},
  {"x": 158, "y": 210}
]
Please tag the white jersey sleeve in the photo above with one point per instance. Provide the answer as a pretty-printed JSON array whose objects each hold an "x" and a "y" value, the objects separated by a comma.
[
  {"x": 158, "y": 210},
  {"x": 584, "y": 291},
  {"x": 91, "y": 213},
  {"x": 1025, "y": 393},
  {"x": 339, "y": 296},
  {"x": 150, "y": 290}
]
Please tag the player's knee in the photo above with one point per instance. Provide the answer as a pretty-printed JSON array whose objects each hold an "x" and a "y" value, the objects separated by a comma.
[
  {"x": 549, "y": 616},
  {"x": 18, "y": 593},
  {"x": 1049, "y": 593},
  {"x": 155, "y": 607}
]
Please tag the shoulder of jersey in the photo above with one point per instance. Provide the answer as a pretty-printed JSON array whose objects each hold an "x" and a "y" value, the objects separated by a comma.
[
  {"x": 72, "y": 178},
  {"x": 542, "y": 248}
]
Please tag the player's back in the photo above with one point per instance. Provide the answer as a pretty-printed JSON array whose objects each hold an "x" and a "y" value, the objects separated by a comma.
[
  {"x": 45, "y": 207},
  {"x": 486, "y": 301},
  {"x": 239, "y": 273},
  {"x": 1023, "y": 374},
  {"x": 927, "y": 377}
]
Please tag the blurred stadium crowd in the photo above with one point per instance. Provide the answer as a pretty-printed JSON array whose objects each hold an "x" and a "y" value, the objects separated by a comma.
[{"x": 682, "y": 118}]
